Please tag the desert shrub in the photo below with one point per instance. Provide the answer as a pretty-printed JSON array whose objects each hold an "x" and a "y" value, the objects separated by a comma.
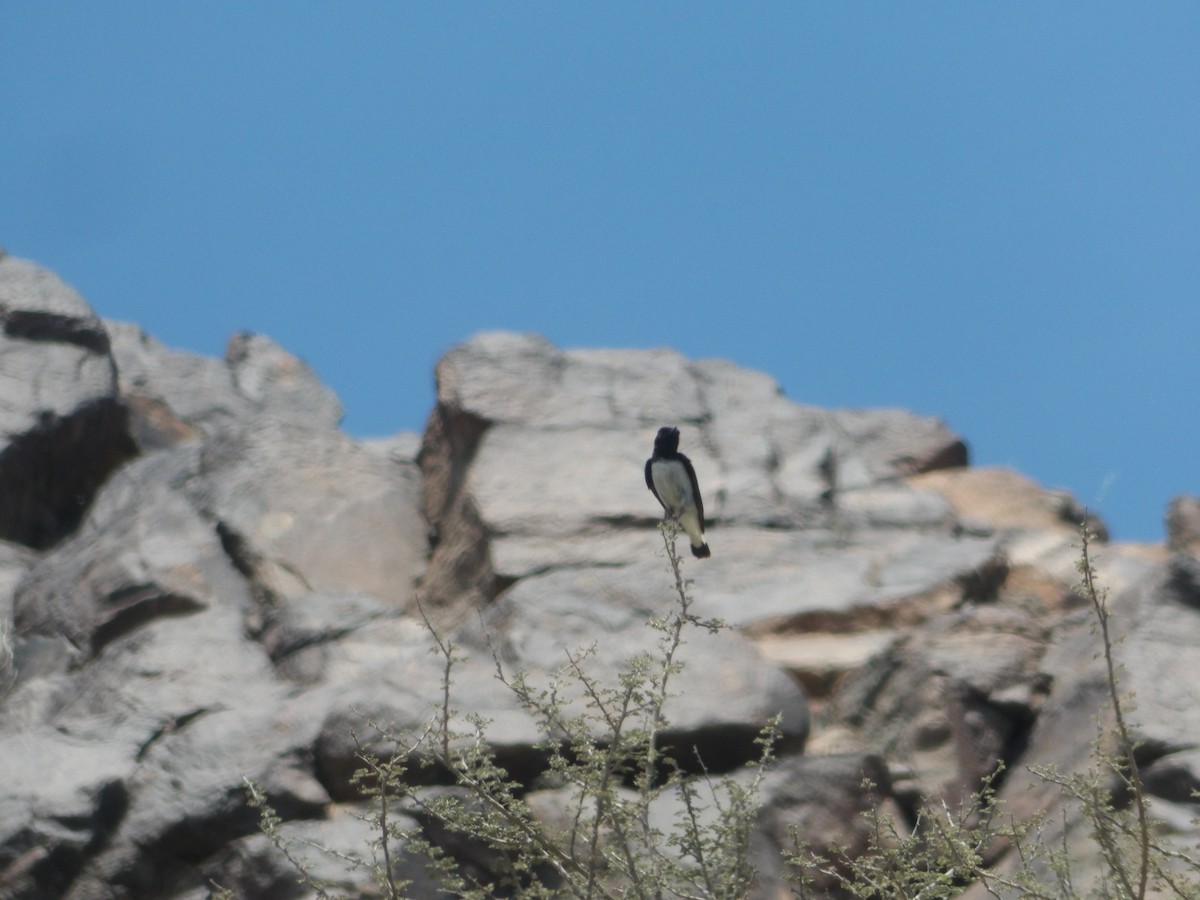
[
  {"x": 610, "y": 774},
  {"x": 947, "y": 850}
]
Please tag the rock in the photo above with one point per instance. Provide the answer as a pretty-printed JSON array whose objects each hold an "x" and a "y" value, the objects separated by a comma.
[
  {"x": 202, "y": 580},
  {"x": 589, "y": 419},
  {"x": 388, "y": 679},
  {"x": 504, "y": 378},
  {"x": 1157, "y": 626},
  {"x": 339, "y": 853},
  {"x": 402, "y": 448},
  {"x": 62, "y": 429},
  {"x": 175, "y": 396},
  {"x": 819, "y": 661},
  {"x": 459, "y": 575},
  {"x": 142, "y": 553},
  {"x": 15, "y": 562},
  {"x": 951, "y": 700},
  {"x": 1037, "y": 533},
  {"x": 796, "y": 579},
  {"x": 1155, "y": 635},
  {"x": 306, "y": 509},
  {"x": 892, "y": 442},
  {"x": 63, "y": 798},
  {"x": 1183, "y": 525},
  {"x": 822, "y": 799},
  {"x": 997, "y": 498},
  {"x": 275, "y": 380},
  {"x": 572, "y": 466},
  {"x": 306, "y": 626},
  {"x": 722, "y": 698},
  {"x": 381, "y": 687},
  {"x": 107, "y": 632}
]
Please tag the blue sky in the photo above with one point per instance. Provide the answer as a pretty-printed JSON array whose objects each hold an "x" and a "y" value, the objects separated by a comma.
[{"x": 987, "y": 212}]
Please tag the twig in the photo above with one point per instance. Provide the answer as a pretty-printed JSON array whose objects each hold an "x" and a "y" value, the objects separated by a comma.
[{"x": 1098, "y": 600}]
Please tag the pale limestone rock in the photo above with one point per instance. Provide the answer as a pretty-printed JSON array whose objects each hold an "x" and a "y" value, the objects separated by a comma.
[{"x": 238, "y": 600}]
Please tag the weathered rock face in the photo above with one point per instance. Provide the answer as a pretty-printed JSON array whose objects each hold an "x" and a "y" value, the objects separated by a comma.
[
  {"x": 203, "y": 580},
  {"x": 62, "y": 429},
  {"x": 533, "y": 462}
]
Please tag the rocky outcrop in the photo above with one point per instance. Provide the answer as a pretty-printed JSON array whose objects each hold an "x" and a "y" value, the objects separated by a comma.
[
  {"x": 203, "y": 580},
  {"x": 62, "y": 428},
  {"x": 533, "y": 460}
]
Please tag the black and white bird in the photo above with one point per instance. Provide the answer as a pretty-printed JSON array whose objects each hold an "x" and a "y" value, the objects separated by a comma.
[{"x": 671, "y": 478}]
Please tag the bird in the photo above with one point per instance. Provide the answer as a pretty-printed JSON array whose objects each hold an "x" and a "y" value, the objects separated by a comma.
[{"x": 672, "y": 480}]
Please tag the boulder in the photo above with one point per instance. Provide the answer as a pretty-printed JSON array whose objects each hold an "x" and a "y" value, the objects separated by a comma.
[
  {"x": 341, "y": 853},
  {"x": 719, "y": 702},
  {"x": 142, "y": 553},
  {"x": 64, "y": 797},
  {"x": 824, "y": 801},
  {"x": 305, "y": 509},
  {"x": 62, "y": 428},
  {"x": 173, "y": 396},
  {"x": 1155, "y": 630},
  {"x": 949, "y": 701},
  {"x": 273, "y": 380},
  {"x": 176, "y": 396}
]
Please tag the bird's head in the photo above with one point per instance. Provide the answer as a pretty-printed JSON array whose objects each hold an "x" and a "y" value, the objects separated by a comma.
[{"x": 667, "y": 440}]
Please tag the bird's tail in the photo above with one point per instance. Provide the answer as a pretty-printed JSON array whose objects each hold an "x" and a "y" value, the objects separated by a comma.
[{"x": 701, "y": 552}]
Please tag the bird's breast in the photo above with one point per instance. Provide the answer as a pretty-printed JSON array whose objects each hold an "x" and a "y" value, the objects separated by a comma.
[{"x": 671, "y": 483}]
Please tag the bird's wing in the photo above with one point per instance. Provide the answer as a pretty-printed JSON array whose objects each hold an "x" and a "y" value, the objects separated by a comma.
[
  {"x": 691, "y": 473},
  {"x": 650, "y": 483}
]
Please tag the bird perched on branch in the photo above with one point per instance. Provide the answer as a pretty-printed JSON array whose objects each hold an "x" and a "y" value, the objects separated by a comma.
[{"x": 672, "y": 480}]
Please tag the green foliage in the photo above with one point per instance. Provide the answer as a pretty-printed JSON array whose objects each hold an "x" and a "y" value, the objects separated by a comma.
[
  {"x": 605, "y": 764},
  {"x": 269, "y": 823},
  {"x": 611, "y": 781},
  {"x": 936, "y": 858}
]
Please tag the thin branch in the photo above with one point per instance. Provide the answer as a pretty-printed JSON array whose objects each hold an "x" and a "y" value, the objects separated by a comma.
[{"x": 1099, "y": 603}]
